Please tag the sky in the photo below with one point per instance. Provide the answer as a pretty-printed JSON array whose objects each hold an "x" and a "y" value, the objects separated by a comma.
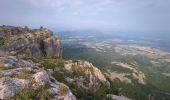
[{"x": 127, "y": 15}]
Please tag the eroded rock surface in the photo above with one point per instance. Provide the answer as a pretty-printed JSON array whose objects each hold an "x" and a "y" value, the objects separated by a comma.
[
  {"x": 86, "y": 76},
  {"x": 35, "y": 42},
  {"x": 28, "y": 62},
  {"x": 10, "y": 86},
  {"x": 17, "y": 74}
]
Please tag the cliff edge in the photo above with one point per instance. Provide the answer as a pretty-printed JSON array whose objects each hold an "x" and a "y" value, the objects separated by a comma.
[
  {"x": 31, "y": 68},
  {"x": 29, "y": 42}
]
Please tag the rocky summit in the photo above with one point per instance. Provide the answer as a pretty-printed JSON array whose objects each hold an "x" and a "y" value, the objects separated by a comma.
[
  {"x": 29, "y": 42},
  {"x": 31, "y": 69}
]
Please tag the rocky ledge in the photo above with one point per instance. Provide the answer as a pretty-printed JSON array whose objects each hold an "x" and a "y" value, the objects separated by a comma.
[
  {"x": 29, "y": 42},
  {"x": 31, "y": 68},
  {"x": 19, "y": 78}
]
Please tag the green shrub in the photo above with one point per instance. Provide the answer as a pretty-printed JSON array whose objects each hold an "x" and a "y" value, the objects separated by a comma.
[
  {"x": 62, "y": 89},
  {"x": 25, "y": 94},
  {"x": 30, "y": 94},
  {"x": 2, "y": 41},
  {"x": 1, "y": 65},
  {"x": 31, "y": 58},
  {"x": 78, "y": 71},
  {"x": 52, "y": 63},
  {"x": 3, "y": 68},
  {"x": 41, "y": 92},
  {"x": 24, "y": 74}
]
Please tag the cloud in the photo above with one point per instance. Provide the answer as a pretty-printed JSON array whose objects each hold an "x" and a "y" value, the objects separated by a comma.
[
  {"x": 75, "y": 13},
  {"x": 142, "y": 15},
  {"x": 54, "y": 3}
]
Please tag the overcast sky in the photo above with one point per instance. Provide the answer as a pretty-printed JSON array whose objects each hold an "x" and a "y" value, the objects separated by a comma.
[{"x": 133, "y": 15}]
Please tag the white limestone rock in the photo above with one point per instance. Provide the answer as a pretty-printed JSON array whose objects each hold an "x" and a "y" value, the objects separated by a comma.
[
  {"x": 10, "y": 86},
  {"x": 41, "y": 77}
]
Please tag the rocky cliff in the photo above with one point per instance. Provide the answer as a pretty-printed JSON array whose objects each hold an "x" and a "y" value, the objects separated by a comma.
[
  {"x": 30, "y": 68},
  {"x": 23, "y": 80},
  {"x": 29, "y": 42}
]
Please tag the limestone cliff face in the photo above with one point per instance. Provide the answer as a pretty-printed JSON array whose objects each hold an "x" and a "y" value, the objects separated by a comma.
[
  {"x": 22, "y": 41},
  {"x": 84, "y": 75},
  {"x": 24, "y": 71}
]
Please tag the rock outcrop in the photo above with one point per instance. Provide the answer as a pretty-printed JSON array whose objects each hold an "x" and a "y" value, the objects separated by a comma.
[
  {"x": 17, "y": 75},
  {"x": 35, "y": 42},
  {"x": 10, "y": 86},
  {"x": 85, "y": 80},
  {"x": 30, "y": 68},
  {"x": 85, "y": 75}
]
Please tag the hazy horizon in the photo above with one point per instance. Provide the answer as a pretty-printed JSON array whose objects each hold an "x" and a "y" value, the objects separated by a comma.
[{"x": 148, "y": 16}]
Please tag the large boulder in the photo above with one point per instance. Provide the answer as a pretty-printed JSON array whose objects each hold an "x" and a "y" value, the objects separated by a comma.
[
  {"x": 41, "y": 78},
  {"x": 10, "y": 86}
]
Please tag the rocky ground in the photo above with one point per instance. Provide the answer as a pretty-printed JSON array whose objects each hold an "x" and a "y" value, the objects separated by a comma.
[
  {"x": 31, "y": 68},
  {"x": 19, "y": 76}
]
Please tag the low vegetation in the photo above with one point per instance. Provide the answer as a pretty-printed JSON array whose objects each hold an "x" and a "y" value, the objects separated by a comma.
[
  {"x": 154, "y": 79},
  {"x": 25, "y": 94},
  {"x": 2, "y": 41},
  {"x": 30, "y": 94},
  {"x": 62, "y": 89},
  {"x": 23, "y": 74}
]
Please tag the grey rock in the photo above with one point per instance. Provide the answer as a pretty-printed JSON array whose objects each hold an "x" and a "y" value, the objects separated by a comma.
[
  {"x": 10, "y": 86},
  {"x": 41, "y": 78},
  {"x": 11, "y": 61},
  {"x": 38, "y": 42}
]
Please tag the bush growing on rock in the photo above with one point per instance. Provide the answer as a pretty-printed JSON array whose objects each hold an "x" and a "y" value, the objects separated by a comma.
[{"x": 62, "y": 89}]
